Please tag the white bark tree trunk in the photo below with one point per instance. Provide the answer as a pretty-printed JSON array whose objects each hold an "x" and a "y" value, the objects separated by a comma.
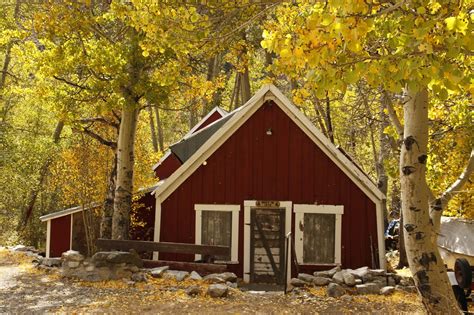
[
  {"x": 423, "y": 255},
  {"x": 125, "y": 164}
]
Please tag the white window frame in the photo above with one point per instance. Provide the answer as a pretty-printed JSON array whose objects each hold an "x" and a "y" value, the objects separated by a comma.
[
  {"x": 300, "y": 210},
  {"x": 234, "y": 209}
]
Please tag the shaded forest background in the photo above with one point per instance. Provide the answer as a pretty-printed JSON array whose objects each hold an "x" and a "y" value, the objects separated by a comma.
[{"x": 68, "y": 70}]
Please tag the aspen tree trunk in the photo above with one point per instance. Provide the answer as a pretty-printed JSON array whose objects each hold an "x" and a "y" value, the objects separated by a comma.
[
  {"x": 423, "y": 255},
  {"x": 159, "y": 127},
  {"x": 125, "y": 164},
  {"x": 245, "y": 85},
  {"x": 154, "y": 140},
  {"x": 106, "y": 221},
  {"x": 382, "y": 178}
]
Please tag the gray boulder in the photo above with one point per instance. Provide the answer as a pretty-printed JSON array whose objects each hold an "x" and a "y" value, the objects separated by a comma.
[
  {"x": 228, "y": 276},
  {"x": 332, "y": 272},
  {"x": 73, "y": 264},
  {"x": 158, "y": 271},
  {"x": 176, "y": 275},
  {"x": 214, "y": 278},
  {"x": 349, "y": 279},
  {"x": 193, "y": 290},
  {"x": 359, "y": 272},
  {"x": 221, "y": 277},
  {"x": 195, "y": 276},
  {"x": 378, "y": 272},
  {"x": 217, "y": 290},
  {"x": 368, "y": 288},
  {"x": 72, "y": 255},
  {"x": 335, "y": 290},
  {"x": 339, "y": 277},
  {"x": 298, "y": 282},
  {"x": 51, "y": 262},
  {"x": 139, "y": 277},
  {"x": 323, "y": 274},
  {"x": 387, "y": 290},
  {"x": 321, "y": 281},
  {"x": 115, "y": 257},
  {"x": 306, "y": 277},
  {"x": 232, "y": 285}
]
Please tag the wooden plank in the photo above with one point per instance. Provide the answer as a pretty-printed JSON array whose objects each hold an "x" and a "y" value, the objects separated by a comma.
[
  {"x": 178, "y": 248},
  {"x": 217, "y": 230},
  {"x": 267, "y": 247},
  {"x": 319, "y": 238},
  {"x": 201, "y": 268}
]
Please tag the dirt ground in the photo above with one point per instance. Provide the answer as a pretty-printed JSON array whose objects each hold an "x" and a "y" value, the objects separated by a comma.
[{"x": 27, "y": 289}]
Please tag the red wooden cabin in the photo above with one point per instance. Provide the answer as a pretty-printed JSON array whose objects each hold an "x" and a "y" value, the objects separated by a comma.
[{"x": 258, "y": 173}]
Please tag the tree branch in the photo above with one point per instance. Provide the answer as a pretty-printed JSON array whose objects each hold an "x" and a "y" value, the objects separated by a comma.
[
  {"x": 393, "y": 115},
  {"x": 437, "y": 205},
  {"x": 110, "y": 144},
  {"x": 99, "y": 119},
  {"x": 76, "y": 85}
]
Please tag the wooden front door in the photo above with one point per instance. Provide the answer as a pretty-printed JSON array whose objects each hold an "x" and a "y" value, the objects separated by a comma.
[{"x": 267, "y": 245}]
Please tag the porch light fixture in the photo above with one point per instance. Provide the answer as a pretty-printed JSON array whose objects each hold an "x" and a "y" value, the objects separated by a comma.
[{"x": 269, "y": 132}]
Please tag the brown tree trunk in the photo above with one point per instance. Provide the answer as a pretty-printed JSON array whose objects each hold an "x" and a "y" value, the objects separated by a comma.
[
  {"x": 245, "y": 85},
  {"x": 6, "y": 65},
  {"x": 159, "y": 127},
  {"x": 154, "y": 140},
  {"x": 423, "y": 255},
  {"x": 26, "y": 215},
  {"x": 329, "y": 128},
  {"x": 106, "y": 221}
]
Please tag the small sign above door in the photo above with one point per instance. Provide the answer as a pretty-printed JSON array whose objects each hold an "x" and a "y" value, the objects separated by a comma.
[{"x": 267, "y": 203}]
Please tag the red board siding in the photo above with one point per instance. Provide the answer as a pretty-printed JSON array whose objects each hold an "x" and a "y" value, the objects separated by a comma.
[
  {"x": 60, "y": 236},
  {"x": 167, "y": 167},
  {"x": 143, "y": 218},
  {"x": 214, "y": 116},
  {"x": 285, "y": 165}
]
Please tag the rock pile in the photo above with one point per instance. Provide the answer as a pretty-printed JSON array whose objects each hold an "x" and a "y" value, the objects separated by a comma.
[
  {"x": 354, "y": 281},
  {"x": 219, "y": 282},
  {"x": 102, "y": 266}
]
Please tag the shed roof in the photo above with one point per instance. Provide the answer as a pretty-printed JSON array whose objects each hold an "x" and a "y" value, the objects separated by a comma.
[{"x": 64, "y": 212}]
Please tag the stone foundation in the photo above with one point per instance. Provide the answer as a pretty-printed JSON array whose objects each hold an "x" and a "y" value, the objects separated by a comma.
[{"x": 102, "y": 266}]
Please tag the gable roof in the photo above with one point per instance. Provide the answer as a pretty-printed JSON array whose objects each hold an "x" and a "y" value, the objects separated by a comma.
[
  {"x": 240, "y": 116},
  {"x": 197, "y": 128}
]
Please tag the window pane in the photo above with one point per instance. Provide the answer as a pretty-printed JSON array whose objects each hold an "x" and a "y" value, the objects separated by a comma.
[
  {"x": 319, "y": 238},
  {"x": 217, "y": 229}
]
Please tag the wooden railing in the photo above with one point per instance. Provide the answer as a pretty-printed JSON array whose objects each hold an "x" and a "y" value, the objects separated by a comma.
[{"x": 165, "y": 247}]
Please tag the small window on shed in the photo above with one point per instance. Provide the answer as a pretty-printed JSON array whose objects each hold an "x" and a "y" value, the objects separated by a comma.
[
  {"x": 318, "y": 234},
  {"x": 218, "y": 225},
  {"x": 217, "y": 229}
]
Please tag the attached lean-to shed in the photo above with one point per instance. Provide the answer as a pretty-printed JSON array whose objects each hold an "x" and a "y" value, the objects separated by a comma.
[
  {"x": 258, "y": 173},
  {"x": 65, "y": 230}
]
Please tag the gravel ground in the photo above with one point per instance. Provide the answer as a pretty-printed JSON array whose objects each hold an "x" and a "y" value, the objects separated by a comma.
[{"x": 25, "y": 289}]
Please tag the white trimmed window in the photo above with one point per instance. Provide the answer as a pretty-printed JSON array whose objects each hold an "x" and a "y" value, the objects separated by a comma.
[
  {"x": 318, "y": 231},
  {"x": 218, "y": 225}
]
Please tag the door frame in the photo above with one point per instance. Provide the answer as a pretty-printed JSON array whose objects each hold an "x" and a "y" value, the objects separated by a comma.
[{"x": 248, "y": 205}]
